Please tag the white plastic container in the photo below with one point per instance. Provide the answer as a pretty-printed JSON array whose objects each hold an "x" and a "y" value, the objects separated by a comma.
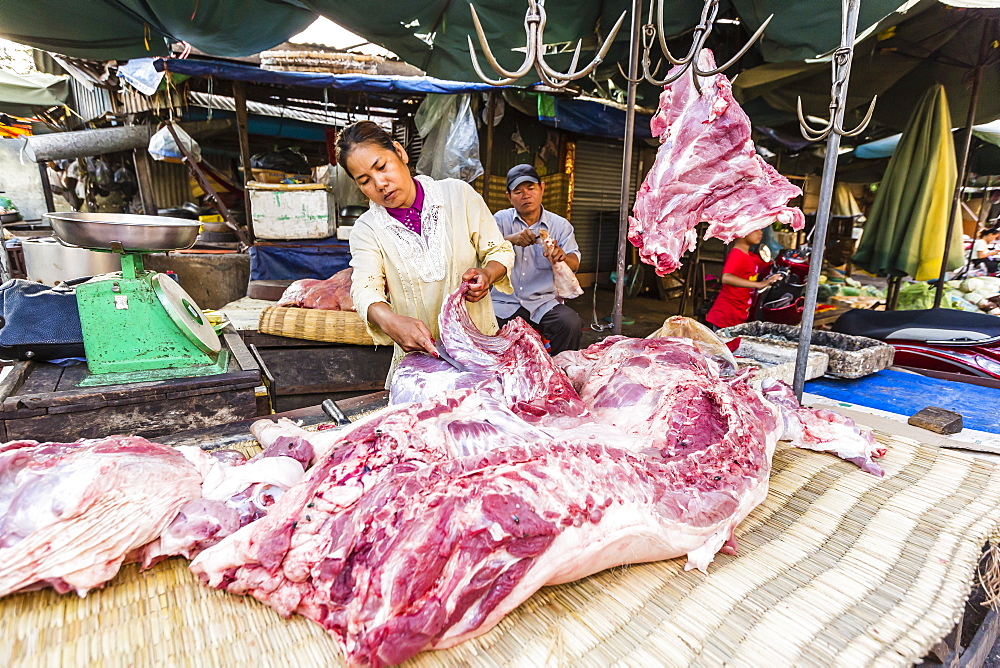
[{"x": 295, "y": 211}]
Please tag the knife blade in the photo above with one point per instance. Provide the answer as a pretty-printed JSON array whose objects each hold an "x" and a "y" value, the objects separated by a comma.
[{"x": 443, "y": 354}]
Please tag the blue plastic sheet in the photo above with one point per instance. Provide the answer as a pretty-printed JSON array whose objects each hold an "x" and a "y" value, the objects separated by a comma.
[
  {"x": 310, "y": 258},
  {"x": 906, "y": 393},
  {"x": 369, "y": 83},
  {"x": 587, "y": 117}
]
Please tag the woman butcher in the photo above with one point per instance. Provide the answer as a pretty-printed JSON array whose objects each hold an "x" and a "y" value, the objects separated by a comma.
[{"x": 416, "y": 244}]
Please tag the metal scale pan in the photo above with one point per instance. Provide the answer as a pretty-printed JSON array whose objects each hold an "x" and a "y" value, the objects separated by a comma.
[{"x": 135, "y": 233}]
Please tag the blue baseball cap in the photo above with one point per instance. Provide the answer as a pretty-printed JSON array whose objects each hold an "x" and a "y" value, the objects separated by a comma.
[{"x": 521, "y": 174}]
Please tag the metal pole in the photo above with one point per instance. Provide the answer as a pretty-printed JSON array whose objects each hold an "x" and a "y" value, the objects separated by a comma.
[
  {"x": 825, "y": 199},
  {"x": 633, "y": 75},
  {"x": 144, "y": 176},
  {"x": 963, "y": 164}
]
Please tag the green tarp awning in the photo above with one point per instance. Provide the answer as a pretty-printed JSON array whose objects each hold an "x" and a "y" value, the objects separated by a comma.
[
  {"x": 934, "y": 44},
  {"x": 20, "y": 94},
  {"x": 431, "y": 34}
]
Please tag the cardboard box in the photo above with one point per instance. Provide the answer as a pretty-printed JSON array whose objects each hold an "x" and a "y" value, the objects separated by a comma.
[{"x": 297, "y": 211}]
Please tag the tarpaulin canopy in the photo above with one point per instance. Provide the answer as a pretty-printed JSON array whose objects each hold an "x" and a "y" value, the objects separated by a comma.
[
  {"x": 935, "y": 43},
  {"x": 124, "y": 29},
  {"x": 906, "y": 227},
  {"x": 20, "y": 94},
  {"x": 368, "y": 83},
  {"x": 883, "y": 148},
  {"x": 431, "y": 35},
  {"x": 596, "y": 119}
]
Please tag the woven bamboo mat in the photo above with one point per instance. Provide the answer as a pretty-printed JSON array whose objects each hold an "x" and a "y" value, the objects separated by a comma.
[{"x": 836, "y": 567}]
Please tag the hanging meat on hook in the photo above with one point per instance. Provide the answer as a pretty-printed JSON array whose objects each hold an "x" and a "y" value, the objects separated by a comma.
[{"x": 706, "y": 170}]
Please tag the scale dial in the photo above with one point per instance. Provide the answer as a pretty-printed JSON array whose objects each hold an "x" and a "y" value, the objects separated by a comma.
[{"x": 185, "y": 314}]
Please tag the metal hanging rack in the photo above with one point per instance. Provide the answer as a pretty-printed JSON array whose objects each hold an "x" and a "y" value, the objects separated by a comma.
[
  {"x": 651, "y": 33},
  {"x": 534, "y": 57},
  {"x": 534, "y": 25},
  {"x": 832, "y": 131}
]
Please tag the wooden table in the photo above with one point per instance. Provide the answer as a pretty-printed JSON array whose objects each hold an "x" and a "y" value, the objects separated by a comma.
[
  {"x": 43, "y": 402},
  {"x": 302, "y": 372}
]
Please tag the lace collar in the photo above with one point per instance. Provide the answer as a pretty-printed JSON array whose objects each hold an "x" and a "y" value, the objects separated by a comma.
[{"x": 424, "y": 253}]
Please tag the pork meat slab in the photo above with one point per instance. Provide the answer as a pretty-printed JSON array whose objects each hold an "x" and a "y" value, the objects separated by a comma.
[
  {"x": 492, "y": 500},
  {"x": 424, "y": 524},
  {"x": 513, "y": 367},
  {"x": 331, "y": 294},
  {"x": 706, "y": 170},
  {"x": 71, "y": 513}
]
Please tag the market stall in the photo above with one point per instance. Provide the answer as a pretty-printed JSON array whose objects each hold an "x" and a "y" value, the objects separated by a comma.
[{"x": 640, "y": 501}]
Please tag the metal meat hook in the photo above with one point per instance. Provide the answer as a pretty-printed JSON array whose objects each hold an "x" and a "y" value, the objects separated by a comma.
[
  {"x": 534, "y": 31},
  {"x": 689, "y": 62},
  {"x": 841, "y": 64}
]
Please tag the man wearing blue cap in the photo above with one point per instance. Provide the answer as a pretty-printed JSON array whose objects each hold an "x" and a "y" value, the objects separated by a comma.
[{"x": 534, "y": 297}]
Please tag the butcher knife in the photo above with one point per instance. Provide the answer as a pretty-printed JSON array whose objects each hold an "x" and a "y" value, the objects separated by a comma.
[
  {"x": 443, "y": 354},
  {"x": 333, "y": 412}
]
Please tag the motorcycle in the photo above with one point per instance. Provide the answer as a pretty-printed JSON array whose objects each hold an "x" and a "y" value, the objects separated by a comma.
[
  {"x": 938, "y": 339},
  {"x": 783, "y": 301}
]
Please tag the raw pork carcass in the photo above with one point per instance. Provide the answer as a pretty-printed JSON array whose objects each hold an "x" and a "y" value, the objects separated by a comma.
[
  {"x": 234, "y": 492},
  {"x": 332, "y": 294},
  {"x": 706, "y": 170},
  {"x": 423, "y": 525},
  {"x": 513, "y": 367},
  {"x": 398, "y": 542},
  {"x": 71, "y": 513}
]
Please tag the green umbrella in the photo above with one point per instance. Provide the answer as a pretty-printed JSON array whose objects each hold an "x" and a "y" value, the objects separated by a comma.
[{"x": 906, "y": 228}]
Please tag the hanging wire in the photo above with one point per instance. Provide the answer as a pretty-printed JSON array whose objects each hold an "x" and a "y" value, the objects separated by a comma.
[
  {"x": 841, "y": 64},
  {"x": 534, "y": 57}
]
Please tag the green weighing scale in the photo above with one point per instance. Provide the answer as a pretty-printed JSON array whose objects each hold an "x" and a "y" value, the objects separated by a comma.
[{"x": 138, "y": 325}]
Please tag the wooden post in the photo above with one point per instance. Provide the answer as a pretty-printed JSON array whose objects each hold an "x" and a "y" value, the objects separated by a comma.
[
  {"x": 240, "y": 99},
  {"x": 145, "y": 177},
  {"x": 50, "y": 204},
  {"x": 488, "y": 158}
]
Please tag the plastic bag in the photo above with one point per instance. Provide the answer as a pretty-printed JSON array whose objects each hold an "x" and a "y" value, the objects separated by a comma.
[
  {"x": 163, "y": 147},
  {"x": 289, "y": 160},
  {"x": 451, "y": 141},
  {"x": 566, "y": 284}
]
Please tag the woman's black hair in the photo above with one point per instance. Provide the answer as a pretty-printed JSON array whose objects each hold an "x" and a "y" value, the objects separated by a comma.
[
  {"x": 989, "y": 230},
  {"x": 362, "y": 132}
]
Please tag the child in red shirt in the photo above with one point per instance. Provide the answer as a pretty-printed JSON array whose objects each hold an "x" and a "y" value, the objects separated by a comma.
[{"x": 739, "y": 280}]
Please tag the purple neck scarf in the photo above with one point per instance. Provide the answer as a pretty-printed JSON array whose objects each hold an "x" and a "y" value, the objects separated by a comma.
[{"x": 409, "y": 217}]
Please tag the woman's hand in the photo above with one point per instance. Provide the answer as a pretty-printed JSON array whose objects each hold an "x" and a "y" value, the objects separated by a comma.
[
  {"x": 479, "y": 284},
  {"x": 410, "y": 334},
  {"x": 480, "y": 280}
]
